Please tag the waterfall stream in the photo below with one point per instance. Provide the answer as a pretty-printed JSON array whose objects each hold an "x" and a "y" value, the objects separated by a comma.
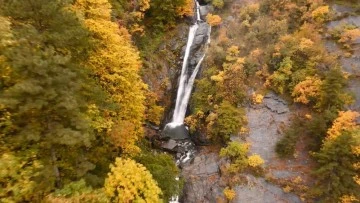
[{"x": 187, "y": 78}]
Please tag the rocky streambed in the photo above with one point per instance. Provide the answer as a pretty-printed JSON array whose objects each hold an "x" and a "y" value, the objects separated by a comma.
[{"x": 266, "y": 122}]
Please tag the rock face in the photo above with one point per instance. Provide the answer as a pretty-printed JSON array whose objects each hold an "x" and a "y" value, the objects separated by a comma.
[
  {"x": 202, "y": 179},
  {"x": 259, "y": 191},
  {"x": 204, "y": 10},
  {"x": 265, "y": 122},
  {"x": 275, "y": 103},
  {"x": 265, "y": 125},
  {"x": 350, "y": 64}
]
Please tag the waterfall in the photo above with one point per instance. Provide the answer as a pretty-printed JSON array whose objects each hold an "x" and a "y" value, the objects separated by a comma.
[
  {"x": 179, "y": 116},
  {"x": 186, "y": 81}
]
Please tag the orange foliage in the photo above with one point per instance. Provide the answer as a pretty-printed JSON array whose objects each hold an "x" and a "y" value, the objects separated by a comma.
[
  {"x": 187, "y": 9},
  {"x": 345, "y": 121},
  {"x": 307, "y": 89},
  {"x": 213, "y": 20}
]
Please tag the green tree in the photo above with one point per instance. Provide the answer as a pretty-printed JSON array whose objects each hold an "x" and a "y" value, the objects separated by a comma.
[
  {"x": 164, "y": 171},
  {"x": 163, "y": 13},
  {"x": 338, "y": 167},
  {"x": 332, "y": 94},
  {"x": 228, "y": 122},
  {"x": 44, "y": 96}
]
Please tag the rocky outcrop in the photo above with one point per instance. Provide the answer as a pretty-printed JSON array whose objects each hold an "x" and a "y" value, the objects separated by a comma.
[
  {"x": 266, "y": 122},
  {"x": 275, "y": 104},
  {"x": 202, "y": 179},
  {"x": 204, "y": 10}
]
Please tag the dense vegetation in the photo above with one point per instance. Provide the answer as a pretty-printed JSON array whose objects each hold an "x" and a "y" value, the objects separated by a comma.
[
  {"x": 73, "y": 101},
  {"x": 280, "y": 44}
]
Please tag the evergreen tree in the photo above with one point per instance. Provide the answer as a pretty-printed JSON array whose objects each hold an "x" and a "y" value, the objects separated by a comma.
[{"x": 338, "y": 167}]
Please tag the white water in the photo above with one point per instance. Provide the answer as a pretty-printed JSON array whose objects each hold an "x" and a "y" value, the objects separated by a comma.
[
  {"x": 177, "y": 117},
  {"x": 186, "y": 82}
]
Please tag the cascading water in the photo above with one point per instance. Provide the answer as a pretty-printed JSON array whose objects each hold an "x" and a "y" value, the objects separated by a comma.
[
  {"x": 186, "y": 79},
  {"x": 181, "y": 103},
  {"x": 185, "y": 148}
]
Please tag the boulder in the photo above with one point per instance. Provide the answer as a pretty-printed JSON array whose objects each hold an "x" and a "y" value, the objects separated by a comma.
[
  {"x": 201, "y": 35},
  {"x": 176, "y": 132},
  {"x": 204, "y": 10},
  {"x": 169, "y": 145}
]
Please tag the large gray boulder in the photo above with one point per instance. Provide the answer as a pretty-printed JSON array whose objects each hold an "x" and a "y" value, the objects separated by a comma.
[
  {"x": 204, "y": 10},
  {"x": 178, "y": 132}
]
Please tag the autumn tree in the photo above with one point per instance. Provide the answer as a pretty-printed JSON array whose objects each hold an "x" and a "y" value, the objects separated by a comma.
[
  {"x": 131, "y": 13},
  {"x": 213, "y": 20},
  {"x": 224, "y": 122},
  {"x": 116, "y": 65},
  {"x": 337, "y": 174},
  {"x": 129, "y": 181},
  {"x": 163, "y": 13},
  {"x": 339, "y": 159},
  {"x": 279, "y": 79},
  {"x": 307, "y": 90},
  {"x": 164, "y": 171},
  {"x": 44, "y": 96},
  {"x": 237, "y": 153}
]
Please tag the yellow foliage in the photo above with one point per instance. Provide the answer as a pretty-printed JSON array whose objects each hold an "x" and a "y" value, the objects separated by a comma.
[
  {"x": 244, "y": 130},
  {"x": 298, "y": 180},
  {"x": 348, "y": 37},
  {"x": 345, "y": 121},
  {"x": 219, "y": 77},
  {"x": 187, "y": 9},
  {"x": 257, "y": 98},
  {"x": 116, "y": 66},
  {"x": 357, "y": 179},
  {"x": 120, "y": 137},
  {"x": 308, "y": 116},
  {"x": 153, "y": 111},
  {"x": 305, "y": 44},
  {"x": 320, "y": 14},
  {"x": 230, "y": 194},
  {"x": 287, "y": 189},
  {"x": 129, "y": 181},
  {"x": 255, "y": 160},
  {"x": 348, "y": 199},
  {"x": 278, "y": 80},
  {"x": 213, "y": 20},
  {"x": 308, "y": 89}
]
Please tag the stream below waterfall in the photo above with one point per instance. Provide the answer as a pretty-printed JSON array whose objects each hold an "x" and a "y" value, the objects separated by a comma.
[{"x": 175, "y": 131}]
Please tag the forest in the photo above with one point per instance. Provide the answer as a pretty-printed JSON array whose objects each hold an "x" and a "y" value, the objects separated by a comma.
[{"x": 88, "y": 86}]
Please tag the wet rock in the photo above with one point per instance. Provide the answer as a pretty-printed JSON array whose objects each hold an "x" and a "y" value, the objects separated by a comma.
[
  {"x": 169, "y": 145},
  {"x": 178, "y": 132},
  {"x": 201, "y": 34}
]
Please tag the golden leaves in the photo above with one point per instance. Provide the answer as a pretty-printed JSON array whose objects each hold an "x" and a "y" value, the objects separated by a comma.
[
  {"x": 306, "y": 90},
  {"x": 345, "y": 121},
  {"x": 129, "y": 181},
  {"x": 213, "y": 20}
]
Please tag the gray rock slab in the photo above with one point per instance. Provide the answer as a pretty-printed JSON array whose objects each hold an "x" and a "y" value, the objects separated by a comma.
[
  {"x": 169, "y": 145},
  {"x": 259, "y": 191}
]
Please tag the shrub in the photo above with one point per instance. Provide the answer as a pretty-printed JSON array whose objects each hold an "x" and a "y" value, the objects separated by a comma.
[
  {"x": 213, "y": 20},
  {"x": 229, "y": 193}
]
